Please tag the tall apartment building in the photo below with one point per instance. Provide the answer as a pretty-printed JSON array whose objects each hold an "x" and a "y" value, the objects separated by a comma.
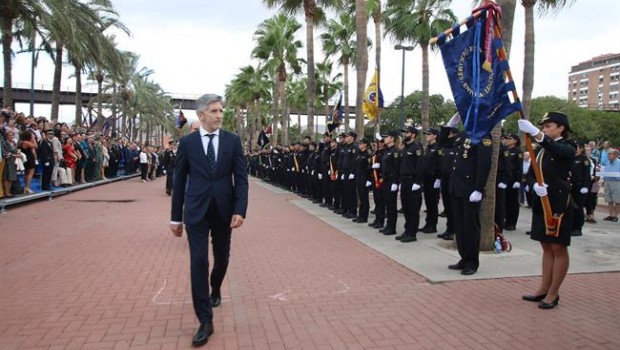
[{"x": 594, "y": 84}]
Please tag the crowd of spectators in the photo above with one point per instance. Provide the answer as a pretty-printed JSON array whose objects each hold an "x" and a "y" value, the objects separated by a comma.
[{"x": 40, "y": 156}]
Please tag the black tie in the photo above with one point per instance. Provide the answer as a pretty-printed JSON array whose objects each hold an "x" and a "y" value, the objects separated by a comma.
[{"x": 210, "y": 153}]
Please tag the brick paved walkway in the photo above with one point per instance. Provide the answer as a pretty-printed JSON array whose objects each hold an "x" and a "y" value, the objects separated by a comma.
[{"x": 84, "y": 274}]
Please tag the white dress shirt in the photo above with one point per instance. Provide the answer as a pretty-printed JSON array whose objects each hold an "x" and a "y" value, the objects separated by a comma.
[{"x": 205, "y": 140}]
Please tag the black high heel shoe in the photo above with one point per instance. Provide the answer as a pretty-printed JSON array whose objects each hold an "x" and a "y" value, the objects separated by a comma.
[
  {"x": 535, "y": 298},
  {"x": 546, "y": 306}
]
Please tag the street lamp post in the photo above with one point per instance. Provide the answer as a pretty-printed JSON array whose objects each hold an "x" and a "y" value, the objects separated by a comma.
[{"x": 402, "y": 85}]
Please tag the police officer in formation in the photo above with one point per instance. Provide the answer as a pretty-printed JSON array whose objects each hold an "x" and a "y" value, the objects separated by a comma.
[
  {"x": 411, "y": 179},
  {"x": 514, "y": 174},
  {"x": 432, "y": 183},
  {"x": 170, "y": 156},
  {"x": 390, "y": 170}
]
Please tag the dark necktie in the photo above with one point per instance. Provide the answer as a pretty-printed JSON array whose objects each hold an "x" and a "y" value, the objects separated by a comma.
[{"x": 210, "y": 153}]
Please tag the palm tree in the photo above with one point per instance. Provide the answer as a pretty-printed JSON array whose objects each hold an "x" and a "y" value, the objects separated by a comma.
[
  {"x": 418, "y": 22},
  {"x": 327, "y": 85},
  {"x": 361, "y": 62},
  {"x": 338, "y": 40},
  {"x": 314, "y": 14},
  {"x": 277, "y": 48},
  {"x": 374, "y": 7}
]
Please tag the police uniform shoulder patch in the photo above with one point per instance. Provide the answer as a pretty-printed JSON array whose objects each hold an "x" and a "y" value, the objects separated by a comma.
[
  {"x": 395, "y": 154},
  {"x": 586, "y": 162},
  {"x": 520, "y": 155},
  {"x": 487, "y": 142},
  {"x": 506, "y": 153},
  {"x": 418, "y": 152},
  {"x": 440, "y": 152}
]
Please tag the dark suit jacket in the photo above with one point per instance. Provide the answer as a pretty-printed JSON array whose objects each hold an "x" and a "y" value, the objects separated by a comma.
[{"x": 195, "y": 187}]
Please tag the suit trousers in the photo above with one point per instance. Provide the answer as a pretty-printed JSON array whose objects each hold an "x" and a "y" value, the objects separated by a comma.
[
  {"x": 169, "y": 178},
  {"x": 431, "y": 199},
  {"x": 467, "y": 221},
  {"x": 411, "y": 202},
  {"x": 391, "y": 198},
  {"x": 46, "y": 177},
  {"x": 362, "y": 197},
  {"x": 447, "y": 202},
  {"x": 500, "y": 208},
  {"x": 198, "y": 237},
  {"x": 512, "y": 206},
  {"x": 379, "y": 200}
]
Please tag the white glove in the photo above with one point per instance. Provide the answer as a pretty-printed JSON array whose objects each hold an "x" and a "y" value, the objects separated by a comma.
[
  {"x": 312, "y": 173},
  {"x": 47, "y": 164},
  {"x": 415, "y": 187},
  {"x": 583, "y": 190},
  {"x": 303, "y": 171},
  {"x": 351, "y": 176},
  {"x": 541, "y": 191},
  {"x": 342, "y": 177},
  {"x": 399, "y": 187},
  {"x": 527, "y": 188},
  {"x": 293, "y": 169},
  {"x": 378, "y": 137},
  {"x": 394, "y": 188},
  {"x": 501, "y": 185},
  {"x": 516, "y": 185},
  {"x": 376, "y": 165},
  {"x": 329, "y": 172},
  {"x": 475, "y": 197},
  {"x": 368, "y": 183},
  {"x": 454, "y": 121},
  {"x": 320, "y": 176},
  {"x": 527, "y": 127},
  {"x": 165, "y": 172},
  {"x": 437, "y": 184}
]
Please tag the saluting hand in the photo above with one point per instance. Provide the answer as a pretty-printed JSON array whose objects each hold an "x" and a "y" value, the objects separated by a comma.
[{"x": 236, "y": 222}]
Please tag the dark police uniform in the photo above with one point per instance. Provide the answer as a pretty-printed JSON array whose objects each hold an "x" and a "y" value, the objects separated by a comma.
[
  {"x": 555, "y": 161},
  {"x": 579, "y": 178},
  {"x": 390, "y": 168},
  {"x": 362, "y": 176},
  {"x": 500, "y": 193},
  {"x": 470, "y": 173},
  {"x": 377, "y": 185},
  {"x": 514, "y": 176},
  {"x": 347, "y": 168},
  {"x": 411, "y": 172},
  {"x": 431, "y": 194},
  {"x": 447, "y": 152},
  {"x": 170, "y": 157}
]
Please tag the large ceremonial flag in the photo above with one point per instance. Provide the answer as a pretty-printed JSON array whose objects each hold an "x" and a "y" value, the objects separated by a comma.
[
  {"x": 476, "y": 72},
  {"x": 371, "y": 103},
  {"x": 181, "y": 121},
  {"x": 107, "y": 127},
  {"x": 335, "y": 116}
]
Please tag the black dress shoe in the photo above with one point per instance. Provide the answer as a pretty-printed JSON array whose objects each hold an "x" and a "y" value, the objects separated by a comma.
[
  {"x": 467, "y": 271},
  {"x": 429, "y": 230},
  {"x": 457, "y": 266},
  {"x": 377, "y": 225},
  {"x": 442, "y": 214},
  {"x": 576, "y": 233},
  {"x": 510, "y": 228},
  {"x": 215, "y": 301},
  {"x": 408, "y": 239},
  {"x": 349, "y": 216},
  {"x": 546, "y": 306},
  {"x": 371, "y": 224},
  {"x": 449, "y": 237},
  {"x": 399, "y": 237},
  {"x": 535, "y": 298},
  {"x": 442, "y": 235},
  {"x": 388, "y": 232},
  {"x": 324, "y": 205},
  {"x": 202, "y": 335}
]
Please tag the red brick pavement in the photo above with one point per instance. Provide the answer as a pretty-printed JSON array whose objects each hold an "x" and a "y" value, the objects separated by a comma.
[{"x": 78, "y": 274}]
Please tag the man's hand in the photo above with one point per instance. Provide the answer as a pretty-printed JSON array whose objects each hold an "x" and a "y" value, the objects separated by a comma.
[
  {"x": 236, "y": 222},
  {"x": 177, "y": 229}
]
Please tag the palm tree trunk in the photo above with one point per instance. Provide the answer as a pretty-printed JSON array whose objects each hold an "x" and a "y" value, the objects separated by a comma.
[
  {"x": 310, "y": 65},
  {"x": 285, "y": 115},
  {"x": 528, "y": 64},
  {"x": 362, "y": 62},
  {"x": 487, "y": 212},
  {"x": 276, "y": 111},
  {"x": 7, "y": 39},
  {"x": 56, "y": 84},
  {"x": 346, "y": 94},
  {"x": 78, "y": 96},
  {"x": 425, "y": 98},
  {"x": 377, "y": 19}
]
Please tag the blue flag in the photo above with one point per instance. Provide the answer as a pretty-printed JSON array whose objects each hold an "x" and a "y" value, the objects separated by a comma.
[
  {"x": 335, "y": 116},
  {"x": 480, "y": 88}
]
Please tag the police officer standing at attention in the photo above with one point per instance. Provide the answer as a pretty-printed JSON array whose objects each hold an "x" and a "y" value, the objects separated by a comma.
[
  {"x": 362, "y": 180},
  {"x": 514, "y": 176},
  {"x": 431, "y": 180},
  {"x": 377, "y": 182},
  {"x": 411, "y": 179},
  {"x": 170, "y": 156},
  {"x": 473, "y": 163},
  {"x": 347, "y": 168},
  {"x": 323, "y": 171},
  {"x": 580, "y": 186},
  {"x": 390, "y": 168},
  {"x": 448, "y": 139},
  {"x": 501, "y": 181}
]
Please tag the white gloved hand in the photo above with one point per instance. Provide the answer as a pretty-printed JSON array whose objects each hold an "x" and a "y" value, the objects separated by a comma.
[
  {"x": 312, "y": 173},
  {"x": 48, "y": 164},
  {"x": 583, "y": 190},
  {"x": 415, "y": 187},
  {"x": 351, "y": 176},
  {"x": 437, "y": 183},
  {"x": 320, "y": 176},
  {"x": 527, "y": 188},
  {"x": 376, "y": 165},
  {"x": 394, "y": 188},
  {"x": 303, "y": 171},
  {"x": 527, "y": 127},
  {"x": 454, "y": 121},
  {"x": 516, "y": 185},
  {"x": 368, "y": 183},
  {"x": 475, "y": 197},
  {"x": 501, "y": 185},
  {"x": 541, "y": 191},
  {"x": 293, "y": 169},
  {"x": 399, "y": 187},
  {"x": 342, "y": 177},
  {"x": 378, "y": 137},
  {"x": 329, "y": 172},
  {"x": 164, "y": 171}
]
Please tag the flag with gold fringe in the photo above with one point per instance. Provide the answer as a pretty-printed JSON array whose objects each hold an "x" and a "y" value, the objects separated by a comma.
[
  {"x": 477, "y": 73},
  {"x": 335, "y": 116}
]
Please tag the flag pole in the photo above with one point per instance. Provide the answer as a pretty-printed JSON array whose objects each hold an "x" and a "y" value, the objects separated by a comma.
[
  {"x": 449, "y": 31},
  {"x": 552, "y": 221}
]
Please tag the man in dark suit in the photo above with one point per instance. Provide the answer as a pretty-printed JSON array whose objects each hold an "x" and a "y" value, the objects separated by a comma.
[
  {"x": 46, "y": 157},
  {"x": 210, "y": 195}
]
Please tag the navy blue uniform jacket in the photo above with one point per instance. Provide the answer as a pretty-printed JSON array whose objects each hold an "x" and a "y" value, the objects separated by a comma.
[{"x": 195, "y": 187}]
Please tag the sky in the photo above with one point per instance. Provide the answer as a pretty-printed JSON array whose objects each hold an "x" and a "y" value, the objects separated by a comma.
[{"x": 196, "y": 47}]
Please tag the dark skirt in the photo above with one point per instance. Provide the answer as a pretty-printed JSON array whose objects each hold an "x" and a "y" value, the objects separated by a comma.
[
  {"x": 10, "y": 169},
  {"x": 30, "y": 161},
  {"x": 539, "y": 230}
]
